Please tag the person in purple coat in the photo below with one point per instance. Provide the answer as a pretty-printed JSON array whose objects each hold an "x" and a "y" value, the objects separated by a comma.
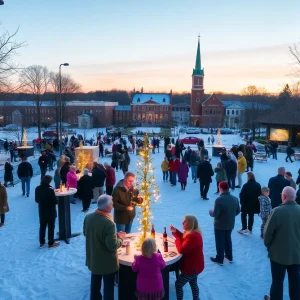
[{"x": 183, "y": 173}]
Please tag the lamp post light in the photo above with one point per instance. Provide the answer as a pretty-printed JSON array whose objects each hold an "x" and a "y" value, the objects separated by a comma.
[{"x": 60, "y": 109}]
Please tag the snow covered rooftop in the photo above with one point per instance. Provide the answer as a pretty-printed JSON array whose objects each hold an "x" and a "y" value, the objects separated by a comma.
[
  {"x": 123, "y": 107},
  {"x": 246, "y": 105},
  {"x": 139, "y": 98}
]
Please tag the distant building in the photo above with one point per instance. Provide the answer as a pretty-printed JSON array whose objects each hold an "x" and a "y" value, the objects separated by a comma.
[
  {"x": 236, "y": 112},
  {"x": 122, "y": 115},
  {"x": 181, "y": 114},
  {"x": 204, "y": 112}
]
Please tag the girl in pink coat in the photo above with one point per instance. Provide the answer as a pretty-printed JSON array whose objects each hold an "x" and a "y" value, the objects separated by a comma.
[
  {"x": 183, "y": 173},
  {"x": 149, "y": 284},
  {"x": 72, "y": 181}
]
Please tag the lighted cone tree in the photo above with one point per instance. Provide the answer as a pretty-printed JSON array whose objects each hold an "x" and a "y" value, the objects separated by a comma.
[
  {"x": 148, "y": 189},
  {"x": 219, "y": 137},
  {"x": 81, "y": 159}
]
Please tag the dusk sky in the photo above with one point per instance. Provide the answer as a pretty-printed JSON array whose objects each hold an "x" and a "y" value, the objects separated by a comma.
[{"x": 152, "y": 44}]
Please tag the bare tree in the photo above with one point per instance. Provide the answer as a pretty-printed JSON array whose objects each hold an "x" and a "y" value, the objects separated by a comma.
[
  {"x": 8, "y": 50},
  {"x": 295, "y": 54},
  {"x": 35, "y": 80},
  {"x": 68, "y": 87}
]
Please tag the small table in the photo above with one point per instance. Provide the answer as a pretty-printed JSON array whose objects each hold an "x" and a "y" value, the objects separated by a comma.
[
  {"x": 127, "y": 278},
  {"x": 64, "y": 215}
]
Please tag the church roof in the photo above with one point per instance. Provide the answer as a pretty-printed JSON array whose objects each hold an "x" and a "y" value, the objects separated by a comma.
[
  {"x": 146, "y": 98},
  {"x": 198, "y": 70}
]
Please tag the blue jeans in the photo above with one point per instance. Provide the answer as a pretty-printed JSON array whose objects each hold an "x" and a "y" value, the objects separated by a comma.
[
  {"x": 43, "y": 173},
  {"x": 109, "y": 281},
  {"x": 278, "y": 274},
  {"x": 173, "y": 178},
  {"x": 165, "y": 175},
  {"x": 223, "y": 244},
  {"x": 231, "y": 181},
  {"x": 124, "y": 227},
  {"x": 26, "y": 180},
  {"x": 194, "y": 172}
]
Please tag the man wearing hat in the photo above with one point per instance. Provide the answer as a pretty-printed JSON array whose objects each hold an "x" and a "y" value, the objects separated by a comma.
[{"x": 226, "y": 209}]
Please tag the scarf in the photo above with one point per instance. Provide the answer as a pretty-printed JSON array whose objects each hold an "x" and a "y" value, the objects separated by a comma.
[{"x": 104, "y": 213}]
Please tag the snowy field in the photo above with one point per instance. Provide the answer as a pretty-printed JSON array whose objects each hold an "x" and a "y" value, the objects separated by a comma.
[{"x": 28, "y": 272}]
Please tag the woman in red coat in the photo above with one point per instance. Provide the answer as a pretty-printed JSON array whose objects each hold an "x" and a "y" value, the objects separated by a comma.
[{"x": 190, "y": 245}]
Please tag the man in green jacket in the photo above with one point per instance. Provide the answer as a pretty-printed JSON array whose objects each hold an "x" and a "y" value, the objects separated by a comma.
[
  {"x": 125, "y": 197},
  {"x": 102, "y": 243},
  {"x": 282, "y": 239}
]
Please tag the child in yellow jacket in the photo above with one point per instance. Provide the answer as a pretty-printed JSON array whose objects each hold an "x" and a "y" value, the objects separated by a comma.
[{"x": 165, "y": 169}]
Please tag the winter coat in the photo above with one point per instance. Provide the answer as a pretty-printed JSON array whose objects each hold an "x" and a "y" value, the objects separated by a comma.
[
  {"x": 194, "y": 159},
  {"x": 98, "y": 176},
  {"x": 110, "y": 176},
  {"x": 174, "y": 165},
  {"x": 281, "y": 234},
  {"x": 101, "y": 244},
  {"x": 116, "y": 156},
  {"x": 205, "y": 171},
  {"x": 149, "y": 278},
  {"x": 293, "y": 183},
  {"x": 298, "y": 196},
  {"x": 231, "y": 168},
  {"x": 191, "y": 248},
  {"x": 249, "y": 154},
  {"x": 298, "y": 178},
  {"x": 183, "y": 172},
  {"x": 123, "y": 198},
  {"x": 43, "y": 162},
  {"x": 220, "y": 174},
  {"x": 276, "y": 185},
  {"x": 72, "y": 179},
  {"x": 45, "y": 197},
  {"x": 164, "y": 166},
  {"x": 85, "y": 187},
  {"x": 242, "y": 164},
  {"x": 168, "y": 154},
  {"x": 124, "y": 166},
  {"x": 226, "y": 209},
  {"x": 187, "y": 155},
  {"x": 25, "y": 169},
  {"x": 3, "y": 200},
  {"x": 265, "y": 206},
  {"x": 250, "y": 192},
  {"x": 56, "y": 179},
  {"x": 289, "y": 150},
  {"x": 64, "y": 171},
  {"x": 8, "y": 172}
]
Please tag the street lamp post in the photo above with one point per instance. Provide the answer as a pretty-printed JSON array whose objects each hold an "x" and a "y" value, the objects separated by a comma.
[{"x": 60, "y": 110}]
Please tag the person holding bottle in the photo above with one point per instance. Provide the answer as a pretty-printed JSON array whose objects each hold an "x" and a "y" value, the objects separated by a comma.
[
  {"x": 149, "y": 284},
  {"x": 190, "y": 245}
]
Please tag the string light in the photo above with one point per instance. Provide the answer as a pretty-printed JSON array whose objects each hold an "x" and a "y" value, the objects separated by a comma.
[{"x": 148, "y": 189}]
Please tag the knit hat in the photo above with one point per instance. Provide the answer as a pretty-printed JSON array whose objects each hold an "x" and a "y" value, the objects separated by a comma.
[
  {"x": 86, "y": 172},
  {"x": 223, "y": 185}
]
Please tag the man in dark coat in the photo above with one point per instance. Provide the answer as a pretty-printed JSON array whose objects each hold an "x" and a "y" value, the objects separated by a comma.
[
  {"x": 64, "y": 170},
  {"x": 45, "y": 197},
  {"x": 125, "y": 197},
  {"x": 8, "y": 173},
  {"x": 289, "y": 151},
  {"x": 25, "y": 172},
  {"x": 225, "y": 210},
  {"x": 98, "y": 177},
  {"x": 85, "y": 190},
  {"x": 43, "y": 163},
  {"x": 204, "y": 174},
  {"x": 276, "y": 185},
  {"x": 249, "y": 202},
  {"x": 231, "y": 169},
  {"x": 167, "y": 142},
  {"x": 249, "y": 158}
]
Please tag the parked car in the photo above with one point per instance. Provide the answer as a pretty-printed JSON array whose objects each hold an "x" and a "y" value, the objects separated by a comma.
[
  {"x": 50, "y": 134},
  {"x": 226, "y": 131},
  {"x": 190, "y": 140}
]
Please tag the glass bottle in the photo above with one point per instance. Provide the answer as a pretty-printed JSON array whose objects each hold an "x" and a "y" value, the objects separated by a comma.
[
  {"x": 152, "y": 234},
  {"x": 165, "y": 236}
]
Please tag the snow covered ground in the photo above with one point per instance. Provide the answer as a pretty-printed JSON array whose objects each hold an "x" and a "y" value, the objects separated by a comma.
[{"x": 28, "y": 272}]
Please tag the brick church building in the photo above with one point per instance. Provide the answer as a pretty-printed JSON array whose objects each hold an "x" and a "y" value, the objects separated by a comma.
[{"x": 204, "y": 112}]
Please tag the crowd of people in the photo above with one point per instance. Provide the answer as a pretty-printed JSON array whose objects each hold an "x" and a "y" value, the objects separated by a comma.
[{"x": 276, "y": 204}]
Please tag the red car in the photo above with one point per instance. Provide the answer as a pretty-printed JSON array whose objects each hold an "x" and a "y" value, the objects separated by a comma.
[{"x": 190, "y": 140}]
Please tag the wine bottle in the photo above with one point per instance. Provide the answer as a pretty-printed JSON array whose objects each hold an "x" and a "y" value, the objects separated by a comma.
[
  {"x": 165, "y": 236},
  {"x": 166, "y": 246},
  {"x": 152, "y": 234}
]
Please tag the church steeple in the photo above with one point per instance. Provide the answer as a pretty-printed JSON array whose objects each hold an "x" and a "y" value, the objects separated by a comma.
[{"x": 198, "y": 70}]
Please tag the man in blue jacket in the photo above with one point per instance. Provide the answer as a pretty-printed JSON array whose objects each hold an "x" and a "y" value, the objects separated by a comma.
[{"x": 276, "y": 185}]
